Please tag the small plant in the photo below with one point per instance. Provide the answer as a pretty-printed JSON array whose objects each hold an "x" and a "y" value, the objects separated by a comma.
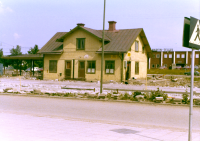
[
  {"x": 109, "y": 96},
  {"x": 66, "y": 95},
  {"x": 185, "y": 98},
  {"x": 146, "y": 96},
  {"x": 125, "y": 96},
  {"x": 165, "y": 96},
  {"x": 157, "y": 93}
]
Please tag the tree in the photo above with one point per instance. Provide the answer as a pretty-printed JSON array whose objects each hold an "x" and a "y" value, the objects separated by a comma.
[
  {"x": 16, "y": 51},
  {"x": 33, "y": 50},
  {"x": 1, "y": 54}
]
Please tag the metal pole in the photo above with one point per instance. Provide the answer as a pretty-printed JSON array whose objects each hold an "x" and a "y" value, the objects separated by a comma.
[
  {"x": 191, "y": 97},
  {"x": 102, "y": 54}
]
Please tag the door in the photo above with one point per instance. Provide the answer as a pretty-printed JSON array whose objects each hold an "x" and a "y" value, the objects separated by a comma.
[
  {"x": 81, "y": 69},
  {"x": 67, "y": 69},
  {"x": 128, "y": 70}
]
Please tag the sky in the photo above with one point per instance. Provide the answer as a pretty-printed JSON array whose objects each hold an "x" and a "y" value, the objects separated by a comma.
[{"x": 33, "y": 22}]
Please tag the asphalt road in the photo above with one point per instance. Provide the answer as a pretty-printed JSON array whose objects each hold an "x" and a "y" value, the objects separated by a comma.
[{"x": 163, "y": 116}]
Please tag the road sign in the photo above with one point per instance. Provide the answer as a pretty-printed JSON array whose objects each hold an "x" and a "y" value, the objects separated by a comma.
[
  {"x": 191, "y": 33},
  {"x": 191, "y": 39}
]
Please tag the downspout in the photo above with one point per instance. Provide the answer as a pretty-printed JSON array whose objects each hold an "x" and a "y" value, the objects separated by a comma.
[
  {"x": 73, "y": 68},
  {"x": 43, "y": 68}
]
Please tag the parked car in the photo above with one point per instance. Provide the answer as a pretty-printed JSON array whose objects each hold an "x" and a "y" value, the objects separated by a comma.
[
  {"x": 178, "y": 67},
  {"x": 163, "y": 67},
  {"x": 35, "y": 69},
  {"x": 189, "y": 73},
  {"x": 186, "y": 67},
  {"x": 40, "y": 69}
]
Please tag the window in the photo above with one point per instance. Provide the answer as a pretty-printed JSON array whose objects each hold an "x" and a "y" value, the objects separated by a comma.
[
  {"x": 136, "y": 46},
  {"x": 80, "y": 43},
  {"x": 197, "y": 55},
  {"x": 165, "y": 65},
  {"x": 52, "y": 66},
  {"x": 153, "y": 66},
  {"x": 177, "y": 55},
  {"x": 182, "y": 55},
  {"x": 91, "y": 66},
  {"x": 170, "y": 55},
  {"x": 154, "y": 56},
  {"x": 142, "y": 49},
  {"x": 157, "y": 55},
  {"x": 110, "y": 67},
  {"x": 136, "y": 67},
  {"x": 157, "y": 65},
  {"x": 165, "y": 55}
]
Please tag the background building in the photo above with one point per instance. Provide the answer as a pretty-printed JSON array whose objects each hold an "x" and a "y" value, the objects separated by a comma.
[{"x": 172, "y": 59}]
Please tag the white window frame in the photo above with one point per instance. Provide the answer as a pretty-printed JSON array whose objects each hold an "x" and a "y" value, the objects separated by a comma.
[
  {"x": 165, "y": 55},
  {"x": 170, "y": 55},
  {"x": 177, "y": 55},
  {"x": 137, "y": 46},
  {"x": 197, "y": 55},
  {"x": 182, "y": 55}
]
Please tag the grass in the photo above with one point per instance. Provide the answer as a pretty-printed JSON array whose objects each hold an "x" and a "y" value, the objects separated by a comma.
[{"x": 166, "y": 71}]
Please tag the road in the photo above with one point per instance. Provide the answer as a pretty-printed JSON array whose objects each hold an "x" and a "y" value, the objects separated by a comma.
[{"x": 164, "y": 116}]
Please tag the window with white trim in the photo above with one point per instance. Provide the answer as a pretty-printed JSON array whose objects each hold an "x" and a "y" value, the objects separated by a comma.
[{"x": 109, "y": 67}]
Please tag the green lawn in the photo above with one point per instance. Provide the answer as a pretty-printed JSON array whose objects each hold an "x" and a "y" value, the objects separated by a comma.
[{"x": 166, "y": 71}]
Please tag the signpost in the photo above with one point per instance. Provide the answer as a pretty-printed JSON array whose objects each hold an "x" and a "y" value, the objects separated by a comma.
[{"x": 191, "y": 39}]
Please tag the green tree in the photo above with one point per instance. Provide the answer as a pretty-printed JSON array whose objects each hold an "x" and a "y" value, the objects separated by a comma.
[
  {"x": 33, "y": 50},
  {"x": 1, "y": 54},
  {"x": 15, "y": 51}
]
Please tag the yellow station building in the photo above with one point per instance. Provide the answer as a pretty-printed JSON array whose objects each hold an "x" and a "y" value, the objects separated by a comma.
[{"x": 77, "y": 54}]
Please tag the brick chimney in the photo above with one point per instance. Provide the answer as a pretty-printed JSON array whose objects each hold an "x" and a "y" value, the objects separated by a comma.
[
  {"x": 81, "y": 24},
  {"x": 112, "y": 25}
]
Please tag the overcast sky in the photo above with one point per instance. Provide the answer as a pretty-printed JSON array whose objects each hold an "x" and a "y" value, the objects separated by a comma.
[{"x": 30, "y": 22}]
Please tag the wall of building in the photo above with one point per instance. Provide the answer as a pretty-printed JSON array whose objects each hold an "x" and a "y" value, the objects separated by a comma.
[
  {"x": 181, "y": 58},
  {"x": 168, "y": 59},
  {"x": 137, "y": 56},
  {"x": 92, "y": 44}
]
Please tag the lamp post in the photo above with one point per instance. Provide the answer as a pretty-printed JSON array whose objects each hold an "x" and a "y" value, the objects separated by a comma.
[{"x": 102, "y": 54}]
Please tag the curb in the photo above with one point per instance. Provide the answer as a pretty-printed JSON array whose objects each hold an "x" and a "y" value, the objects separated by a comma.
[{"x": 93, "y": 99}]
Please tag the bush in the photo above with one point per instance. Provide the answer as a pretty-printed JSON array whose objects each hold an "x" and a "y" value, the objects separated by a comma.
[
  {"x": 108, "y": 96},
  {"x": 157, "y": 93},
  {"x": 185, "y": 98},
  {"x": 125, "y": 96}
]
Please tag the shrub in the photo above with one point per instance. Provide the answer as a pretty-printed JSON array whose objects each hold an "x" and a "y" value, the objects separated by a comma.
[
  {"x": 108, "y": 96},
  {"x": 125, "y": 96},
  {"x": 157, "y": 93},
  {"x": 146, "y": 96},
  {"x": 185, "y": 98}
]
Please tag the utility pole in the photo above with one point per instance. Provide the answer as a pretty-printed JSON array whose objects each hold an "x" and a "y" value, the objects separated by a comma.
[{"x": 102, "y": 54}]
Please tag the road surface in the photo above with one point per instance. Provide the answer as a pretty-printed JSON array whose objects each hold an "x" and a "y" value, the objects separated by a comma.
[{"x": 144, "y": 115}]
